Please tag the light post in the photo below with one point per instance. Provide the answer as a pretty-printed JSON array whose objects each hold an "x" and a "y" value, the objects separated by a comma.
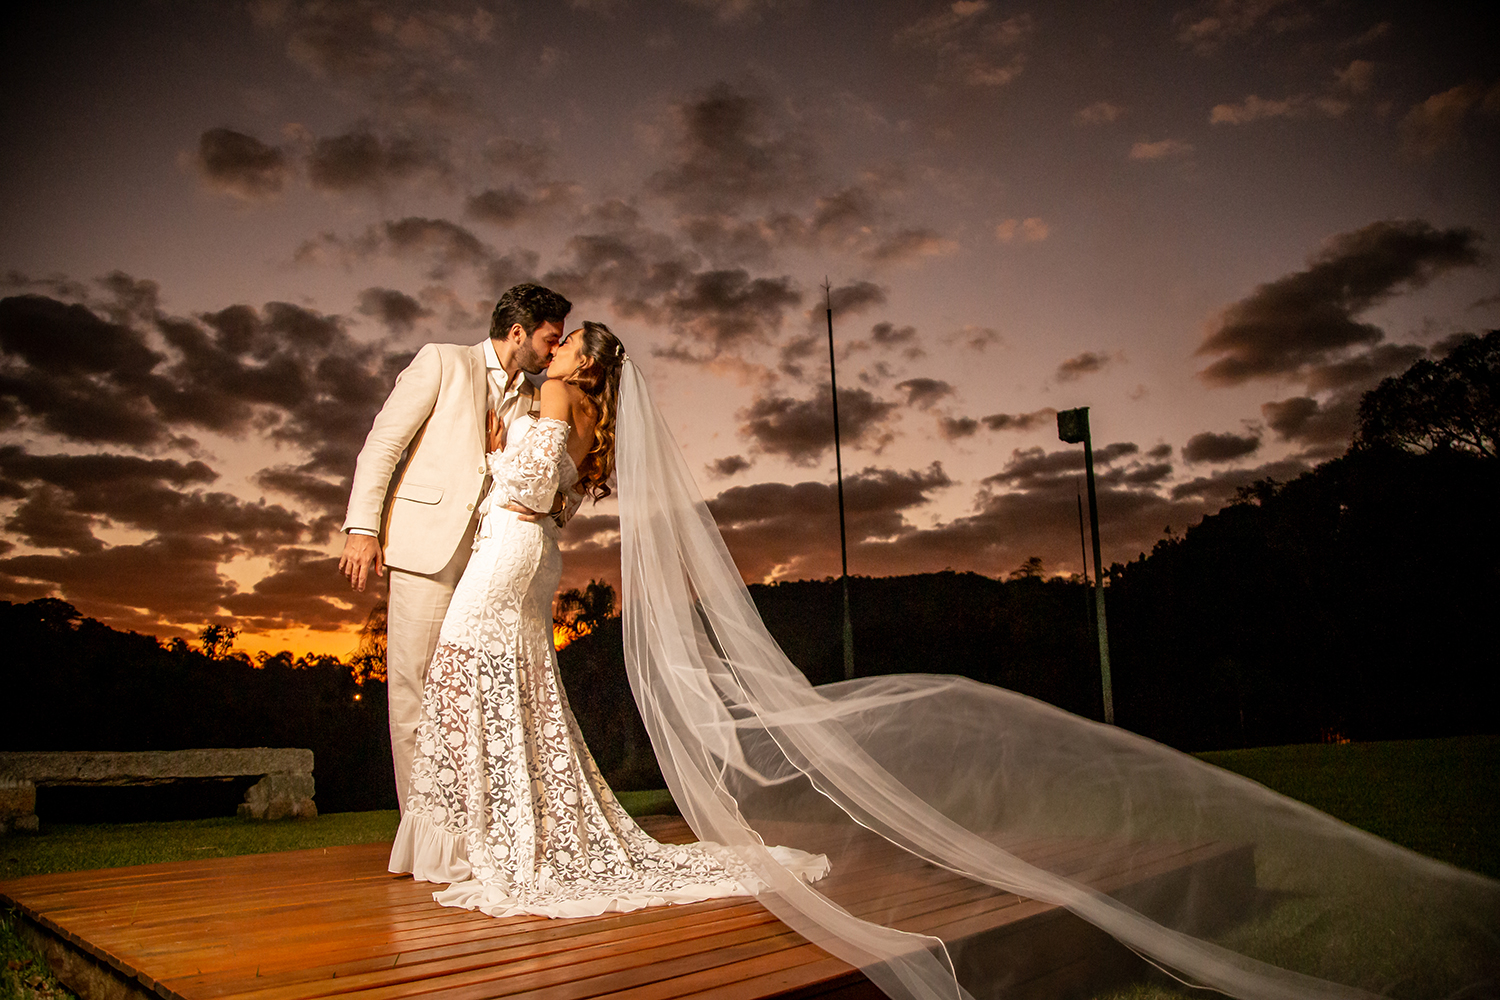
[{"x": 1073, "y": 427}]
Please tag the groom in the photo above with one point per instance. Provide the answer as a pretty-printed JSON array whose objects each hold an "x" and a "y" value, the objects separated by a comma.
[{"x": 418, "y": 519}]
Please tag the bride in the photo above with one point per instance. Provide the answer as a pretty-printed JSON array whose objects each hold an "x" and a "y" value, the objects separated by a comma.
[{"x": 993, "y": 791}]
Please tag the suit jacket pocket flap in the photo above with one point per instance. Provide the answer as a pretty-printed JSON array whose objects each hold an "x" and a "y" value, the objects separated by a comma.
[{"x": 419, "y": 493}]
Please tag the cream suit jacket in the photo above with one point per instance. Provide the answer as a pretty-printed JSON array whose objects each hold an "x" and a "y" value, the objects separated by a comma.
[{"x": 435, "y": 413}]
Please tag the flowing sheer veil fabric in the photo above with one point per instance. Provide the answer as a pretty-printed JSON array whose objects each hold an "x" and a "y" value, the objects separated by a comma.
[{"x": 1000, "y": 789}]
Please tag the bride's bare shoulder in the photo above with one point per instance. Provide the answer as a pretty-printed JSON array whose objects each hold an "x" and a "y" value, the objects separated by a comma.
[{"x": 557, "y": 399}]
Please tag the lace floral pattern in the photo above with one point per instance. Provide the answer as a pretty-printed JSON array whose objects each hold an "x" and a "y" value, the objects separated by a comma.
[{"x": 506, "y": 802}]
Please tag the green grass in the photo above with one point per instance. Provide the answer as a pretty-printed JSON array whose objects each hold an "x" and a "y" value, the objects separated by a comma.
[
  {"x": 1439, "y": 797},
  {"x": 66, "y": 847}
]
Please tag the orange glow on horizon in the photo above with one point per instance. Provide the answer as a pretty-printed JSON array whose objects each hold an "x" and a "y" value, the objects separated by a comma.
[{"x": 300, "y": 642}]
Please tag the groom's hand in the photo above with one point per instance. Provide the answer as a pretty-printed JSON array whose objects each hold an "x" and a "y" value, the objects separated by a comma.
[
  {"x": 494, "y": 432},
  {"x": 361, "y": 555}
]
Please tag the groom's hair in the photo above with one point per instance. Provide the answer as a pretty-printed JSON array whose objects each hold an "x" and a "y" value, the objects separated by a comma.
[{"x": 531, "y": 306}]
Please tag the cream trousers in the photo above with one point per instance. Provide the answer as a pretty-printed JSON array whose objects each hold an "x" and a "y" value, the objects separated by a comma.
[{"x": 418, "y": 602}]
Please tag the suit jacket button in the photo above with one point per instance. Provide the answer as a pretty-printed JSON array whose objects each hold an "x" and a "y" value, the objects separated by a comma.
[
  {"x": 481, "y": 470},
  {"x": 471, "y": 506}
]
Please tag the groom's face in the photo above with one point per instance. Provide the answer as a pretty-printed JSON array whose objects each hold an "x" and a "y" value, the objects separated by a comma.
[{"x": 533, "y": 353}]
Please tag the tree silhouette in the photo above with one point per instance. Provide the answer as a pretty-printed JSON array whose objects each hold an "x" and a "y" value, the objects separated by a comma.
[
  {"x": 368, "y": 663},
  {"x": 580, "y": 612},
  {"x": 217, "y": 640},
  {"x": 1452, "y": 404},
  {"x": 1031, "y": 569}
]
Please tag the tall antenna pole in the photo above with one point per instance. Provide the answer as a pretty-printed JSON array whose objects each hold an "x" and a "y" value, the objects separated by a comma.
[{"x": 838, "y": 464}]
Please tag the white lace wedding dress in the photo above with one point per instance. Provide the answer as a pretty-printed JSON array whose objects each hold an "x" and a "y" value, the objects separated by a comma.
[{"x": 506, "y": 802}]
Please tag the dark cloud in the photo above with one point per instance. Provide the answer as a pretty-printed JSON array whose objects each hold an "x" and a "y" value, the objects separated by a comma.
[
  {"x": 241, "y": 165},
  {"x": 1145, "y": 475},
  {"x": 924, "y": 392},
  {"x": 283, "y": 370},
  {"x": 1083, "y": 364},
  {"x": 723, "y": 468},
  {"x": 171, "y": 578},
  {"x": 1018, "y": 421},
  {"x": 909, "y": 244},
  {"x": 733, "y": 149},
  {"x": 46, "y": 520},
  {"x": 1364, "y": 370},
  {"x": 852, "y": 220},
  {"x": 801, "y": 430},
  {"x": 1452, "y": 342},
  {"x": 101, "y": 473},
  {"x": 303, "y": 589},
  {"x": 856, "y": 297},
  {"x": 646, "y": 276},
  {"x": 1160, "y": 451},
  {"x": 288, "y": 374},
  {"x": 975, "y": 338},
  {"x": 410, "y": 61},
  {"x": 797, "y": 350},
  {"x": 791, "y": 530},
  {"x": 1028, "y": 509},
  {"x": 887, "y": 335},
  {"x": 725, "y": 308},
  {"x": 1324, "y": 426},
  {"x": 512, "y": 268},
  {"x": 146, "y": 494},
  {"x": 76, "y": 374},
  {"x": 328, "y": 499},
  {"x": 955, "y": 428},
  {"x": 970, "y": 44},
  {"x": 510, "y": 206},
  {"x": 1033, "y": 468},
  {"x": 1308, "y": 318},
  {"x": 398, "y": 311},
  {"x": 1206, "y": 26},
  {"x": 363, "y": 161},
  {"x": 445, "y": 245},
  {"x": 1211, "y": 447},
  {"x": 1438, "y": 122},
  {"x": 1220, "y": 487}
]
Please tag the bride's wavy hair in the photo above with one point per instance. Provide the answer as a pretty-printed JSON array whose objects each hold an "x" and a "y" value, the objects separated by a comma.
[{"x": 599, "y": 378}]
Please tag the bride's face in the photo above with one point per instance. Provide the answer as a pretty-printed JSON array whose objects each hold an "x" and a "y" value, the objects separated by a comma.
[{"x": 568, "y": 357}]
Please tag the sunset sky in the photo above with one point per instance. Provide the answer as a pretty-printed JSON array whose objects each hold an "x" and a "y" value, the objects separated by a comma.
[{"x": 226, "y": 226}]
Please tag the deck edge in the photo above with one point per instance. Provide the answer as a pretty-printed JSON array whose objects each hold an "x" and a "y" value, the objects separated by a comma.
[{"x": 83, "y": 973}]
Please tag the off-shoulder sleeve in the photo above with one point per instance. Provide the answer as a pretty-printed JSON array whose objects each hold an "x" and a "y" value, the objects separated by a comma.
[{"x": 529, "y": 476}]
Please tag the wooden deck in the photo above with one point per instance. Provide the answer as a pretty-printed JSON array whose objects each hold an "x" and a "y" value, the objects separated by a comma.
[{"x": 332, "y": 922}]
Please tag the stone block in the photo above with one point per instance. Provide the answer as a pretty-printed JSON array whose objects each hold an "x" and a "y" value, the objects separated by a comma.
[
  {"x": 280, "y": 796},
  {"x": 17, "y": 805}
]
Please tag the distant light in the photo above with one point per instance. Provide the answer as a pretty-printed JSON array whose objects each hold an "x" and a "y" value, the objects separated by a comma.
[{"x": 358, "y": 697}]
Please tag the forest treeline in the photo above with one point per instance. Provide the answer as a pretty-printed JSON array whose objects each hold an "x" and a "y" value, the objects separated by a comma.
[{"x": 1354, "y": 602}]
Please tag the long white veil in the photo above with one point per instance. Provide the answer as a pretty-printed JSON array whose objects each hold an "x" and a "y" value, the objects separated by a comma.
[{"x": 973, "y": 780}]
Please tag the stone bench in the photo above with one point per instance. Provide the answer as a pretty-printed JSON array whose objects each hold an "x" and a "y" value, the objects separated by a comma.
[{"x": 285, "y": 789}]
